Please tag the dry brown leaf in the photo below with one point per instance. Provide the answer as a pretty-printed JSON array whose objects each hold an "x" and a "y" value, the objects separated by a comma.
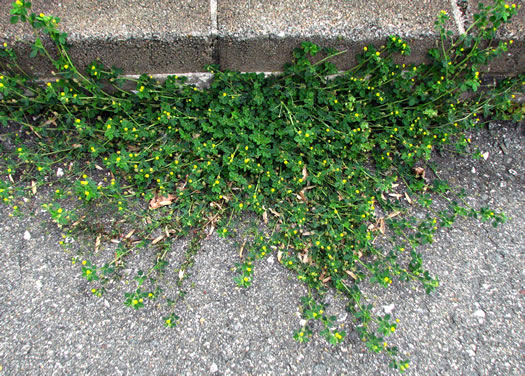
[
  {"x": 97, "y": 242},
  {"x": 211, "y": 230},
  {"x": 215, "y": 205},
  {"x": 420, "y": 172},
  {"x": 301, "y": 197},
  {"x": 265, "y": 217},
  {"x": 158, "y": 239},
  {"x": 33, "y": 187},
  {"x": 396, "y": 195},
  {"x": 381, "y": 223},
  {"x": 351, "y": 274},
  {"x": 49, "y": 121},
  {"x": 408, "y": 198},
  {"x": 305, "y": 172},
  {"x": 158, "y": 201},
  {"x": 242, "y": 249},
  {"x": 274, "y": 212},
  {"x": 128, "y": 235},
  {"x": 279, "y": 255},
  {"x": 115, "y": 241},
  {"x": 98, "y": 167},
  {"x": 393, "y": 214},
  {"x": 76, "y": 146},
  {"x": 304, "y": 257}
]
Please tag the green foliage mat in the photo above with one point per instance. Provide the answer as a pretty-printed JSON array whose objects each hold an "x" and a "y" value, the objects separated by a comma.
[{"x": 323, "y": 158}]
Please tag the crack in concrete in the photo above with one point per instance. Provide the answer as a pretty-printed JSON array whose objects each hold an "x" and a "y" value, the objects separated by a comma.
[{"x": 214, "y": 35}]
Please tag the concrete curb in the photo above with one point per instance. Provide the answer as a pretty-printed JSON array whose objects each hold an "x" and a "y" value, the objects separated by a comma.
[{"x": 255, "y": 35}]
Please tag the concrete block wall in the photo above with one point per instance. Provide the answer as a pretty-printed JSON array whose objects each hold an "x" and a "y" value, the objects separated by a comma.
[{"x": 182, "y": 36}]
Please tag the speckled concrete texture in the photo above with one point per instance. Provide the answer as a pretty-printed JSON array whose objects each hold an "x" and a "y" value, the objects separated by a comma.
[
  {"x": 259, "y": 35},
  {"x": 138, "y": 36},
  {"x": 355, "y": 20}
]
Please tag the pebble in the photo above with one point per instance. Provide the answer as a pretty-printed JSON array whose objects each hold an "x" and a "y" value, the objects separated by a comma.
[
  {"x": 214, "y": 368},
  {"x": 388, "y": 308},
  {"x": 513, "y": 172},
  {"x": 60, "y": 172},
  {"x": 480, "y": 315},
  {"x": 27, "y": 235}
]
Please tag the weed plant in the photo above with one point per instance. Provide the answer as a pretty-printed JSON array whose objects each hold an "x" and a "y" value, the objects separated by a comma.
[{"x": 327, "y": 160}]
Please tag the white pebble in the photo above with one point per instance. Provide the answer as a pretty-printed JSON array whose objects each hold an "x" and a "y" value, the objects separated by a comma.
[
  {"x": 27, "y": 235},
  {"x": 388, "y": 308},
  {"x": 480, "y": 315}
]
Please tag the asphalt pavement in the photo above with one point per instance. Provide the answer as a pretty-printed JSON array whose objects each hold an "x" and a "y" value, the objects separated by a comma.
[{"x": 51, "y": 324}]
